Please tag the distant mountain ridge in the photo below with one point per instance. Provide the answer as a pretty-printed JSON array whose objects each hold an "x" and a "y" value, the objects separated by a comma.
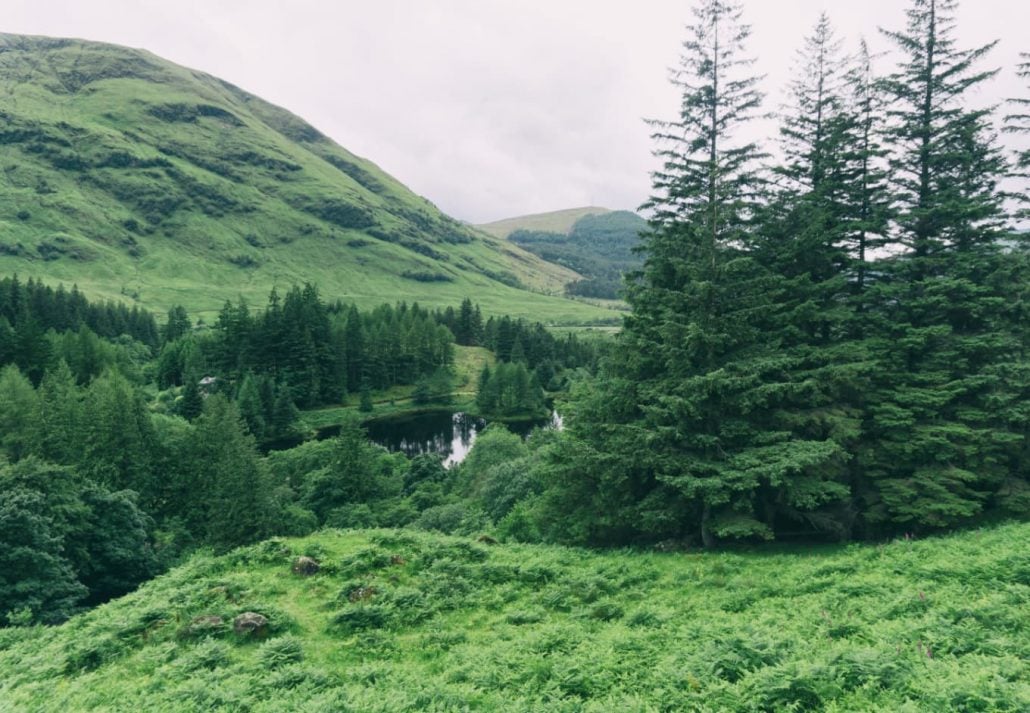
[
  {"x": 598, "y": 243},
  {"x": 139, "y": 179},
  {"x": 558, "y": 221}
]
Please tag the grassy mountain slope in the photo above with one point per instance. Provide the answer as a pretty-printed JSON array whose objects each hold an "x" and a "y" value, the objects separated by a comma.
[
  {"x": 135, "y": 177},
  {"x": 559, "y": 221},
  {"x": 399, "y": 621},
  {"x": 599, "y": 246}
]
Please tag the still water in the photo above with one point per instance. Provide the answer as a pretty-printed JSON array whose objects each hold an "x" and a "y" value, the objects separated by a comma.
[{"x": 447, "y": 434}]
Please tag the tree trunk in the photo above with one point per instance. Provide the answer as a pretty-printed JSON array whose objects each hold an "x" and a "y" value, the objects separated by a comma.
[{"x": 707, "y": 538}]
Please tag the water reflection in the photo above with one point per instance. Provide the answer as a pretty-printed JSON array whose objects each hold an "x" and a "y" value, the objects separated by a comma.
[{"x": 449, "y": 435}]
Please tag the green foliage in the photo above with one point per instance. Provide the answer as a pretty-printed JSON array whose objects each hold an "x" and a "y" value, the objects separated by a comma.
[
  {"x": 36, "y": 583},
  {"x": 236, "y": 497},
  {"x": 509, "y": 390},
  {"x": 839, "y": 354},
  {"x": 118, "y": 437},
  {"x": 494, "y": 447},
  {"x": 414, "y": 620},
  {"x": 600, "y": 247},
  {"x": 350, "y": 471},
  {"x": 19, "y": 414},
  {"x": 67, "y": 540},
  {"x": 434, "y": 389},
  {"x": 283, "y": 651}
]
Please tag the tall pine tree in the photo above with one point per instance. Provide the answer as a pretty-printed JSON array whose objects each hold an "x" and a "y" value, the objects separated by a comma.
[{"x": 934, "y": 446}]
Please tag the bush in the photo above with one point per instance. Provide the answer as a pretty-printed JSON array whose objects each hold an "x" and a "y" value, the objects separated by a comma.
[
  {"x": 209, "y": 654},
  {"x": 505, "y": 485},
  {"x": 352, "y": 515},
  {"x": 276, "y": 653},
  {"x": 455, "y": 518},
  {"x": 362, "y": 618}
]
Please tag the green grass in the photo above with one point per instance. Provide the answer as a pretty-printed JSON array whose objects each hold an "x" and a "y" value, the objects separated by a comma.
[
  {"x": 142, "y": 180},
  {"x": 559, "y": 221},
  {"x": 403, "y": 621}
]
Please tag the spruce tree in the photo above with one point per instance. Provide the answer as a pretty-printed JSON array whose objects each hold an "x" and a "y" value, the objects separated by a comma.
[
  {"x": 863, "y": 182},
  {"x": 365, "y": 404},
  {"x": 191, "y": 403},
  {"x": 60, "y": 415},
  {"x": 19, "y": 414},
  {"x": 816, "y": 93},
  {"x": 685, "y": 435},
  {"x": 1018, "y": 122},
  {"x": 934, "y": 447},
  {"x": 118, "y": 437},
  {"x": 177, "y": 325},
  {"x": 237, "y": 491},
  {"x": 251, "y": 407},
  {"x": 283, "y": 417}
]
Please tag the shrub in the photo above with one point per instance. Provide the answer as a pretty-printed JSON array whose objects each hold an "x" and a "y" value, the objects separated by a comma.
[
  {"x": 364, "y": 561},
  {"x": 209, "y": 654},
  {"x": 455, "y": 518},
  {"x": 520, "y": 618},
  {"x": 92, "y": 654},
  {"x": 276, "y": 653},
  {"x": 607, "y": 611},
  {"x": 362, "y": 618}
]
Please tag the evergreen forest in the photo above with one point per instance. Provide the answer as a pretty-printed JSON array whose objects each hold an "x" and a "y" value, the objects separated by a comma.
[{"x": 796, "y": 477}]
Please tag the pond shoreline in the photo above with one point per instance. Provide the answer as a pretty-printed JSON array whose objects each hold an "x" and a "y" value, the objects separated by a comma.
[{"x": 446, "y": 432}]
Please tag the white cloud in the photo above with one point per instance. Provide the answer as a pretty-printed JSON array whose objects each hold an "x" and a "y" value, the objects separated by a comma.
[{"x": 490, "y": 108}]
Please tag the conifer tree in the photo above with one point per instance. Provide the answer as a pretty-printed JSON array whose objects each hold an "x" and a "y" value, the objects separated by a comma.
[
  {"x": 19, "y": 414},
  {"x": 237, "y": 498},
  {"x": 690, "y": 430},
  {"x": 816, "y": 91},
  {"x": 251, "y": 407},
  {"x": 60, "y": 415},
  {"x": 177, "y": 326},
  {"x": 863, "y": 178},
  {"x": 118, "y": 437},
  {"x": 365, "y": 404},
  {"x": 191, "y": 403},
  {"x": 283, "y": 415},
  {"x": 933, "y": 452},
  {"x": 1018, "y": 122}
]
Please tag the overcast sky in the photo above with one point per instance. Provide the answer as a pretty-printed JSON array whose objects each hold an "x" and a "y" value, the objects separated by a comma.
[{"x": 489, "y": 108}]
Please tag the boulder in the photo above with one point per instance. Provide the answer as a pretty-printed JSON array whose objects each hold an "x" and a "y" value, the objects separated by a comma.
[
  {"x": 250, "y": 623},
  {"x": 305, "y": 566},
  {"x": 206, "y": 624}
]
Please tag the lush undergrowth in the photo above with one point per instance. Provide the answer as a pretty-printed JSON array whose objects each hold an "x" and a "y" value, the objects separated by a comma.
[{"x": 398, "y": 620}]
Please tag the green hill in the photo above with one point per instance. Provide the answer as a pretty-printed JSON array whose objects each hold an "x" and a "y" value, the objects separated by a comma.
[
  {"x": 403, "y": 621},
  {"x": 140, "y": 179},
  {"x": 598, "y": 246},
  {"x": 559, "y": 221}
]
